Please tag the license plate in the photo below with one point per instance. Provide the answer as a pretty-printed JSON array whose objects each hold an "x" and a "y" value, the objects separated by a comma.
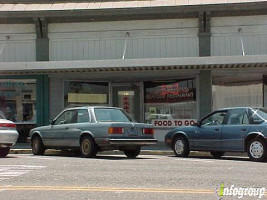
[{"x": 132, "y": 132}]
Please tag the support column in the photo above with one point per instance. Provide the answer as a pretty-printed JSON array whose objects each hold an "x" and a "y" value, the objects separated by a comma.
[
  {"x": 204, "y": 93},
  {"x": 204, "y": 34},
  {"x": 264, "y": 81},
  {"x": 42, "y": 101},
  {"x": 42, "y": 40}
]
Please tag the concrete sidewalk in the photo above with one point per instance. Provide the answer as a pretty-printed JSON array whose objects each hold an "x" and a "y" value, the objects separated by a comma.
[{"x": 159, "y": 149}]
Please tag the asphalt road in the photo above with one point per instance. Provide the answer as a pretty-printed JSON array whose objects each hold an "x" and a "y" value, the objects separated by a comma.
[{"x": 56, "y": 177}]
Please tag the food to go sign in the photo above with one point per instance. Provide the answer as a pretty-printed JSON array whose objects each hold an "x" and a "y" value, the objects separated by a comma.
[{"x": 173, "y": 123}]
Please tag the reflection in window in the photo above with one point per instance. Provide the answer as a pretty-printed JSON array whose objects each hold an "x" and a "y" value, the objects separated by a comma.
[
  {"x": 170, "y": 100},
  {"x": 111, "y": 115},
  {"x": 18, "y": 100},
  {"x": 78, "y": 93},
  {"x": 236, "y": 93}
]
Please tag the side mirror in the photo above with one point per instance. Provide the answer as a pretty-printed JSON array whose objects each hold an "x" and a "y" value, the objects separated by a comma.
[
  {"x": 51, "y": 121},
  {"x": 198, "y": 124}
]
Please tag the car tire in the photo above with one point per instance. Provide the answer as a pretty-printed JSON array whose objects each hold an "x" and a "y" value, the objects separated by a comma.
[
  {"x": 257, "y": 150},
  {"x": 4, "y": 152},
  {"x": 217, "y": 154},
  {"x": 88, "y": 147},
  {"x": 38, "y": 147},
  {"x": 180, "y": 147},
  {"x": 132, "y": 153},
  {"x": 77, "y": 152}
]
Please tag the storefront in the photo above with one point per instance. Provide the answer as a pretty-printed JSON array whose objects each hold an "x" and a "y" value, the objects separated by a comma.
[
  {"x": 23, "y": 100},
  {"x": 145, "y": 101},
  {"x": 156, "y": 91}
]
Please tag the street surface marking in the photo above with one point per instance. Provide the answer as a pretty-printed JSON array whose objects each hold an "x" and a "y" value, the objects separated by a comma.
[
  {"x": 10, "y": 171},
  {"x": 3, "y": 188},
  {"x": 107, "y": 189},
  {"x": 40, "y": 158}
]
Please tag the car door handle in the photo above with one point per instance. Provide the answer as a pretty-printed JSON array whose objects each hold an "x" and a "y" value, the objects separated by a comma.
[
  {"x": 243, "y": 130},
  {"x": 216, "y": 130},
  {"x": 66, "y": 127}
]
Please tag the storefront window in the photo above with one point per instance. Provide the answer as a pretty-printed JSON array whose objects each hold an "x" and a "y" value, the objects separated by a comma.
[
  {"x": 234, "y": 92},
  {"x": 170, "y": 103},
  {"x": 18, "y": 100},
  {"x": 78, "y": 93}
]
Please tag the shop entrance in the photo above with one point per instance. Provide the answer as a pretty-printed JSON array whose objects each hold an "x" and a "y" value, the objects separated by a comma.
[{"x": 127, "y": 96}]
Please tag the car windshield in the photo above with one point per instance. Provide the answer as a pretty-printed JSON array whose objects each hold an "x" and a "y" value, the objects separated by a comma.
[
  {"x": 1, "y": 115},
  {"x": 259, "y": 114},
  {"x": 111, "y": 115}
]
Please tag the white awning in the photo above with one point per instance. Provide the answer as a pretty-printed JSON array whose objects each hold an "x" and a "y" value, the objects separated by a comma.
[
  {"x": 25, "y": 7},
  {"x": 148, "y": 64}
]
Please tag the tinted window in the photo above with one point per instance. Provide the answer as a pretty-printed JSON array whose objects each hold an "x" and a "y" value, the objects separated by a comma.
[
  {"x": 67, "y": 117},
  {"x": 111, "y": 115},
  {"x": 83, "y": 116},
  {"x": 215, "y": 119},
  {"x": 237, "y": 117}
]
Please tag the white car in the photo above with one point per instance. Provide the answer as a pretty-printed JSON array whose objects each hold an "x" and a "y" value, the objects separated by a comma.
[{"x": 8, "y": 136}]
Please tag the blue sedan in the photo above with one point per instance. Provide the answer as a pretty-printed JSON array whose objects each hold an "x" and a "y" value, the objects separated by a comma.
[{"x": 241, "y": 129}]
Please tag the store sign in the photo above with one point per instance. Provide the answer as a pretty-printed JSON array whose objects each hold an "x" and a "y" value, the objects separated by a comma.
[
  {"x": 173, "y": 123},
  {"x": 170, "y": 93},
  {"x": 87, "y": 98},
  {"x": 8, "y": 89}
]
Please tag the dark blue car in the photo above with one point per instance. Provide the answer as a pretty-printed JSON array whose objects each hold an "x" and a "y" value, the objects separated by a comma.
[{"x": 239, "y": 129}]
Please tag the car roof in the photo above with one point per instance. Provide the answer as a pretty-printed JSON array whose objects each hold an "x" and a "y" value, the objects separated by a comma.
[
  {"x": 92, "y": 107},
  {"x": 232, "y": 108}
]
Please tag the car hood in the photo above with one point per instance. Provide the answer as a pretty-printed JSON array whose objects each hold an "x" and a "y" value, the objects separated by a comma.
[{"x": 40, "y": 128}]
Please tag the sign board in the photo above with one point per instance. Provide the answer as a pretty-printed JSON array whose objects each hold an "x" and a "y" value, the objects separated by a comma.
[{"x": 173, "y": 123}]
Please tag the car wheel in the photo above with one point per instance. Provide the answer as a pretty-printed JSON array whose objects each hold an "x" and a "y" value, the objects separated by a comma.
[
  {"x": 132, "y": 153},
  {"x": 217, "y": 154},
  {"x": 88, "y": 147},
  {"x": 257, "y": 150},
  {"x": 38, "y": 147},
  {"x": 181, "y": 147},
  {"x": 4, "y": 152}
]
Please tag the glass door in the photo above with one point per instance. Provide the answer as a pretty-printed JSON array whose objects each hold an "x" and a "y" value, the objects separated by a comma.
[{"x": 128, "y": 98}]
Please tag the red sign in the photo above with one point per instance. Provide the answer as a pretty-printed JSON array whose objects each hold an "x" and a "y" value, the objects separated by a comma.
[{"x": 170, "y": 93}]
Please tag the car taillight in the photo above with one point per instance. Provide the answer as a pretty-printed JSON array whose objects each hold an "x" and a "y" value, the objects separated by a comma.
[
  {"x": 8, "y": 125},
  {"x": 115, "y": 130},
  {"x": 148, "y": 131}
]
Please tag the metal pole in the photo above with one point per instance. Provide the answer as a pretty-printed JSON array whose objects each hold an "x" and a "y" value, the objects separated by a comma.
[
  {"x": 125, "y": 45},
  {"x": 242, "y": 43},
  {"x": 2, "y": 48}
]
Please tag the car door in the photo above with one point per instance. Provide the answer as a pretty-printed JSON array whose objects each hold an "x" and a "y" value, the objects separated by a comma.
[
  {"x": 61, "y": 126},
  {"x": 208, "y": 134},
  {"x": 235, "y": 129},
  {"x": 80, "y": 122}
]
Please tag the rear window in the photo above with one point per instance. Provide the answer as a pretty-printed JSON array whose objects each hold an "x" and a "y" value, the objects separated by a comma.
[{"x": 111, "y": 115}]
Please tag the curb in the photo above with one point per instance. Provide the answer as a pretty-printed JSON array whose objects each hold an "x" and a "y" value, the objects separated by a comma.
[{"x": 115, "y": 152}]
